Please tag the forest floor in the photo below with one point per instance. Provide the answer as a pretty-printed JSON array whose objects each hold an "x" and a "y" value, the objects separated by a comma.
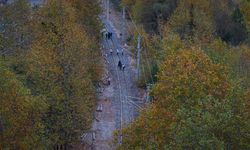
[{"x": 118, "y": 102}]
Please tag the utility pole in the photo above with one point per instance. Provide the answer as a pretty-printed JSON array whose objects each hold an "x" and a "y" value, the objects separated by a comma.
[
  {"x": 138, "y": 56},
  {"x": 107, "y": 9},
  {"x": 123, "y": 24},
  {"x": 123, "y": 13}
]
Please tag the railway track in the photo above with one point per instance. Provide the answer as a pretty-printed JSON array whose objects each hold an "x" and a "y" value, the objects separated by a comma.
[{"x": 122, "y": 79}]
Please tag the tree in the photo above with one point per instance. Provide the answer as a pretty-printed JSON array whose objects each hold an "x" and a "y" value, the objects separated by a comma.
[
  {"x": 192, "y": 20},
  {"x": 235, "y": 58},
  {"x": 58, "y": 66},
  {"x": 243, "y": 65},
  {"x": 15, "y": 28},
  {"x": 227, "y": 13},
  {"x": 245, "y": 7},
  {"x": 20, "y": 114},
  {"x": 55, "y": 66},
  {"x": 195, "y": 106},
  {"x": 87, "y": 15},
  {"x": 150, "y": 13}
]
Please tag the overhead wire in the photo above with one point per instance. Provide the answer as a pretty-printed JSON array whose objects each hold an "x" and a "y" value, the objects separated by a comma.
[{"x": 133, "y": 22}]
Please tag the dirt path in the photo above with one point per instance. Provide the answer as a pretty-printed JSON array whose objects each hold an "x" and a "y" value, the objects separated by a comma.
[{"x": 116, "y": 107}]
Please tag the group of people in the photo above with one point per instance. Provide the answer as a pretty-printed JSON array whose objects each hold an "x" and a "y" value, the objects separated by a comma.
[
  {"x": 108, "y": 35},
  {"x": 117, "y": 51},
  {"x": 121, "y": 66}
]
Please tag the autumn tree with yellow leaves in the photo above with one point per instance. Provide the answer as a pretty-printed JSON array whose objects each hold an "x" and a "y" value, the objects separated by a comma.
[
  {"x": 49, "y": 80},
  {"x": 15, "y": 30},
  {"x": 195, "y": 106},
  {"x": 21, "y": 113},
  {"x": 245, "y": 8},
  {"x": 201, "y": 94},
  {"x": 58, "y": 69}
]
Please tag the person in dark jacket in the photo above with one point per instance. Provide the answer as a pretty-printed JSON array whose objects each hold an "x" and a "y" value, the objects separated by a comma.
[
  {"x": 120, "y": 64},
  {"x": 117, "y": 51},
  {"x": 106, "y": 36},
  {"x": 111, "y": 35}
]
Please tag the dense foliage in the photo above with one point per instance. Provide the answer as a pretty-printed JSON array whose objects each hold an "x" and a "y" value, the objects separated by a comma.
[
  {"x": 193, "y": 14},
  {"x": 49, "y": 65},
  {"x": 199, "y": 63},
  {"x": 21, "y": 113},
  {"x": 196, "y": 106},
  {"x": 195, "y": 53}
]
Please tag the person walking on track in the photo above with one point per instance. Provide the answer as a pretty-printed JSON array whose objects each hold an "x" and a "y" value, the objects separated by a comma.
[
  {"x": 111, "y": 51},
  {"x": 111, "y": 35},
  {"x": 120, "y": 64},
  {"x": 106, "y": 36},
  {"x": 123, "y": 67},
  {"x": 117, "y": 51},
  {"x": 122, "y": 51}
]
